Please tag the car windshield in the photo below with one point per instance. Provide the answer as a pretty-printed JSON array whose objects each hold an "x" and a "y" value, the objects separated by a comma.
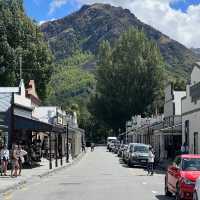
[
  {"x": 191, "y": 164},
  {"x": 143, "y": 149},
  {"x": 111, "y": 140}
]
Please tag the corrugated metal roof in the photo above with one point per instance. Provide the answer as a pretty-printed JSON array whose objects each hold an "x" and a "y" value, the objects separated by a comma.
[{"x": 9, "y": 89}]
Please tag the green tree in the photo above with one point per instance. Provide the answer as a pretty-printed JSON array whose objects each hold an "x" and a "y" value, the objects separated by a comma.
[
  {"x": 70, "y": 86},
  {"x": 129, "y": 78},
  {"x": 20, "y": 36}
]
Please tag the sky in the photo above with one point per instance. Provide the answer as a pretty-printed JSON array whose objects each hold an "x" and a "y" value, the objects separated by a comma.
[{"x": 179, "y": 19}]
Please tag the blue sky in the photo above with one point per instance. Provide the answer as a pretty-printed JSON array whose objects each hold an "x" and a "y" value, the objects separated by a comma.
[
  {"x": 178, "y": 19},
  {"x": 39, "y": 9},
  {"x": 184, "y": 4}
]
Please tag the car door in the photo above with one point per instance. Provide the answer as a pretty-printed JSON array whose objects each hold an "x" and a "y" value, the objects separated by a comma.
[{"x": 174, "y": 174}]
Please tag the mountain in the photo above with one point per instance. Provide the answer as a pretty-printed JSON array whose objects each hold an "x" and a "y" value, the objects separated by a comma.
[{"x": 88, "y": 27}]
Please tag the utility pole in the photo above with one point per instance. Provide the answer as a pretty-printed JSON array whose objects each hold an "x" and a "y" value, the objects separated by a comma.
[{"x": 20, "y": 66}]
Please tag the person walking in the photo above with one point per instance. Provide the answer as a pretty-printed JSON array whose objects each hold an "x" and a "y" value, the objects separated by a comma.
[
  {"x": 4, "y": 159},
  {"x": 92, "y": 146},
  {"x": 14, "y": 158},
  {"x": 151, "y": 158},
  {"x": 20, "y": 156},
  {"x": 83, "y": 148}
]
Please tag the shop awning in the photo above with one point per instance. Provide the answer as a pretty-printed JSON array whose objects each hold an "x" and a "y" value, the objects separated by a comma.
[{"x": 22, "y": 123}]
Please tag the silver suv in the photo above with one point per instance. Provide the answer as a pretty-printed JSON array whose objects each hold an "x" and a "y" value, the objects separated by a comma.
[{"x": 137, "y": 154}]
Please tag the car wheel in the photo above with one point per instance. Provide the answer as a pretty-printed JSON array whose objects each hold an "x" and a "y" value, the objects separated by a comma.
[
  {"x": 129, "y": 163},
  {"x": 167, "y": 192},
  {"x": 178, "y": 196},
  {"x": 195, "y": 197}
]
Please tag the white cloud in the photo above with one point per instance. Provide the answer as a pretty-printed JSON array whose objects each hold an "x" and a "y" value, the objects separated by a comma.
[
  {"x": 183, "y": 27},
  {"x": 55, "y": 4},
  {"x": 44, "y": 21}
]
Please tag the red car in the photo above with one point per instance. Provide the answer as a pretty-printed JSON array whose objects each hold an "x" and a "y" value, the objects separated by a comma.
[{"x": 181, "y": 176}]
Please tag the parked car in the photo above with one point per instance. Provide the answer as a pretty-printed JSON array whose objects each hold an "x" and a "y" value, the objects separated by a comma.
[
  {"x": 137, "y": 154},
  {"x": 196, "y": 193},
  {"x": 124, "y": 152},
  {"x": 181, "y": 176},
  {"x": 120, "y": 151},
  {"x": 116, "y": 146}
]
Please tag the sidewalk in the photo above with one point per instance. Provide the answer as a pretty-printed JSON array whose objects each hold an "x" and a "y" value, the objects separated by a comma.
[{"x": 7, "y": 183}]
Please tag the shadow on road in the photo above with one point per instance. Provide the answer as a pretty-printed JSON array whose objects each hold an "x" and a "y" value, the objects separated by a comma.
[{"x": 163, "y": 197}]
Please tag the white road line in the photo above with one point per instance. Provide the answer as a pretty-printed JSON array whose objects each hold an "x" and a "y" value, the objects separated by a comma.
[{"x": 154, "y": 192}]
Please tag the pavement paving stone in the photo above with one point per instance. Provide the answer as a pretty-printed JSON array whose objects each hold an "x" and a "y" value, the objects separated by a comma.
[{"x": 8, "y": 183}]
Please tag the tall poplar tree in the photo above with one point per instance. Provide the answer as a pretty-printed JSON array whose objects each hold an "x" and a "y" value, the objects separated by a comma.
[{"x": 129, "y": 78}]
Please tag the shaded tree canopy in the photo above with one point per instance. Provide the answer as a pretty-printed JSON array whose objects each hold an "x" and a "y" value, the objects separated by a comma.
[{"x": 129, "y": 78}]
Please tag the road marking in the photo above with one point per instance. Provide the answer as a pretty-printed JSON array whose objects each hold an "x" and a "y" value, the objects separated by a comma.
[
  {"x": 154, "y": 192},
  {"x": 144, "y": 183},
  {"x": 7, "y": 196}
]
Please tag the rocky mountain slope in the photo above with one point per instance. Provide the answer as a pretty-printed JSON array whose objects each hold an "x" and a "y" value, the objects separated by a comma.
[{"x": 88, "y": 27}]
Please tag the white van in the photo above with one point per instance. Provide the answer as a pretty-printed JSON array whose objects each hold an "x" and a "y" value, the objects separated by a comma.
[{"x": 110, "y": 142}]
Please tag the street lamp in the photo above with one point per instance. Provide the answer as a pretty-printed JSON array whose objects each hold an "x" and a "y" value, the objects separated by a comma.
[{"x": 67, "y": 135}]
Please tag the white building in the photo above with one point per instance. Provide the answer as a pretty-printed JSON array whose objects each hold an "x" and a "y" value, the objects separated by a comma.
[
  {"x": 191, "y": 112},
  {"x": 169, "y": 137}
]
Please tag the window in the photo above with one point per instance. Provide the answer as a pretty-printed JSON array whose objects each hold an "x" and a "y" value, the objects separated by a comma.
[{"x": 187, "y": 132}]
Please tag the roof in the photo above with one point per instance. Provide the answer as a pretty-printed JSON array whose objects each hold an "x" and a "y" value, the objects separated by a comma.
[
  {"x": 190, "y": 156},
  {"x": 197, "y": 64},
  {"x": 112, "y": 138},
  {"x": 139, "y": 144},
  {"x": 9, "y": 89}
]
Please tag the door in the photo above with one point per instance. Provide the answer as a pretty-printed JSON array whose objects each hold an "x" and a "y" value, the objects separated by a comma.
[
  {"x": 196, "y": 143},
  {"x": 174, "y": 173}
]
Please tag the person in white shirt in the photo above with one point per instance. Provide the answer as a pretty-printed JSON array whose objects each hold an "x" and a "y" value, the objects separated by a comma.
[
  {"x": 20, "y": 156},
  {"x": 4, "y": 159},
  {"x": 151, "y": 158}
]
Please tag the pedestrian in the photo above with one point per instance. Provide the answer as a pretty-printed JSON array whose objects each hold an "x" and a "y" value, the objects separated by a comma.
[
  {"x": 150, "y": 165},
  {"x": 20, "y": 156},
  {"x": 92, "y": 146},
  {"x": 83, "y": 148},
  {"x": 15, "y": 164},
  {"x": 4, "y": 159}
]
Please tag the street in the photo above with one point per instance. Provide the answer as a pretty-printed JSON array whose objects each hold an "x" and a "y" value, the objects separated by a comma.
[{"x": 99, "y": 175}]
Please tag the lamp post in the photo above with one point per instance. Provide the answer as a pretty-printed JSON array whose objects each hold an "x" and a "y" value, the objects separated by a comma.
[
  {"x": 67, "y": 132},
  {"x": 67, "y": 135},
  {"x": 50, "y": 150}
]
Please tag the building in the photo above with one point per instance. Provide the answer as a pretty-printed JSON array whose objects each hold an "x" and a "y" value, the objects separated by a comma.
[
  {"x": 191, "y": 112},
  {"x": 170, "y": 135},
  {"x": 55, "y": 115},
  {"x": 163, "y": 132}
]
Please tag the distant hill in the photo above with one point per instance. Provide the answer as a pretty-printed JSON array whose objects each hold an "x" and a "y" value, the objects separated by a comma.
[{"x": 88, "y": 27}]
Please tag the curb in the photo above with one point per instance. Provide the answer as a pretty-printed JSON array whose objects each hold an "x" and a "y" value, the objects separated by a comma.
[{"x": 23, "y": 182}]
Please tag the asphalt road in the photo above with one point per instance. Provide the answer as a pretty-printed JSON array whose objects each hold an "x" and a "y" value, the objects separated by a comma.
[{"x": 100, "y": 175}]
